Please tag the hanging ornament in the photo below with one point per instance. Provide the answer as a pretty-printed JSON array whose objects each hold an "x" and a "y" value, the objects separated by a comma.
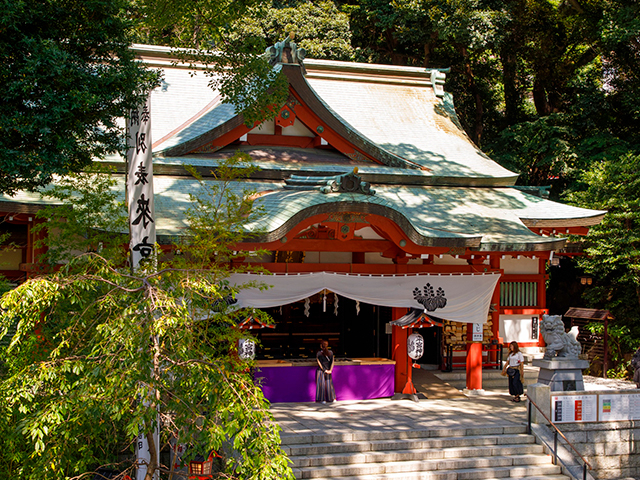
[
  {"x": 357, "y": 307},
  {"x": 307, "y": 306},
  {"x": 246, "y": 349},
  {"x": 280, "y": 309},
  {"x": 324, "y": 300},
  {"x": 335, "y": 304},
  {"x": 415, "y": 346}
]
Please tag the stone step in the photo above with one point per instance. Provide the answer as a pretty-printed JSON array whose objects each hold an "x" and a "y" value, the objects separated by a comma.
[
  {"x": 491, "y": 379},
  {"x": 488, "y": 372},
  {"x": 396, "y": 434},
  {"x": 523, "y": 453},
  {"x": 453, "y": 443},
  {"x": 485, "y": 451},
  {"x": 473, "y": 468},
  {"x": 440, "y": 476}
]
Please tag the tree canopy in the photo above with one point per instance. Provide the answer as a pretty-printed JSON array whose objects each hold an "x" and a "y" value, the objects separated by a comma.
[
  {"x": 67, "y": 76},
  {"x": 100, "y": 352}
]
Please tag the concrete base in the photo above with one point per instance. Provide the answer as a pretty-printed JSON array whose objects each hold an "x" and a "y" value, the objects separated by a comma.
[
  {"x": 474, "y": 393},
  {"x": 409, "y": 396},
  {"x": 562, "y": 374}
]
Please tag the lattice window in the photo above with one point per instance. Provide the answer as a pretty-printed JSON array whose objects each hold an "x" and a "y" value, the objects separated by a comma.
[{"x": 519, "y": 294}]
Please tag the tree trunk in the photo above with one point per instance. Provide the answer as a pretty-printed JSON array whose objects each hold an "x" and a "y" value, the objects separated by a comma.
[
  {"x": 509, "y": 80},
  {"x": 153, "y": 463},
  {"x": 476, "y": 134},
  {"x": 428, "y": 49},
  {"x": 543, "y": 108}
]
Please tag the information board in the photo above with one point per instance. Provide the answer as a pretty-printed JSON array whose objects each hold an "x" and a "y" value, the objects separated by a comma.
[
  {"x": 477, "y": 332},
  {"x": 619, "y": 406},
  {"x": 574, "y": 408}
]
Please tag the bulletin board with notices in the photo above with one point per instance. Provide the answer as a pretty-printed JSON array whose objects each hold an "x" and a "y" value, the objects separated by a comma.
[
  {"x": 595, "y": 407},
  {"x": 574, "y": 408},
  {"x": 622, "y": 406}
]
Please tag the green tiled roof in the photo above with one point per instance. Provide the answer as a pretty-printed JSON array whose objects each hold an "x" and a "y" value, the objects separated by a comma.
[
  {"x": 461, "y": 198},
  {"x": 403, "y": 123},
  {"x": 482, "y": 218}
]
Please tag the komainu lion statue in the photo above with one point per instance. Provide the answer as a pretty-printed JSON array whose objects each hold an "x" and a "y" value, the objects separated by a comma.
[{"x": 558, "y": 342}]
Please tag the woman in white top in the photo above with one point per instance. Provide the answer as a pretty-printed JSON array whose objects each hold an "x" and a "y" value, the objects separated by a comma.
[{"x": 514, "y": 367}]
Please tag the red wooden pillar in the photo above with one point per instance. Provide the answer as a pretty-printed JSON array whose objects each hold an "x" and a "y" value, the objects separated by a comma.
[
  {"x": 495, "y": 300},
  {"x": 399, "y": 353},
  {"x": 34, "y": 253},
  {"x": 474, "y": 361},
  {"x": 474, "y": 366}
]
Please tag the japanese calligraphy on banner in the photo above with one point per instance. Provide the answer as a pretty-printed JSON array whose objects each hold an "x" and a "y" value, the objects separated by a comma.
[
  {"x": 140, "y": 184},
  {"x": 142, "y": 226}
]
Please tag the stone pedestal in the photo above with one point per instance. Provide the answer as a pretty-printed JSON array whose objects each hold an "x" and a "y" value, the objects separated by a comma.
[
  {"x": 562, "y": 374},
  {"x": 540, "y": 394}
]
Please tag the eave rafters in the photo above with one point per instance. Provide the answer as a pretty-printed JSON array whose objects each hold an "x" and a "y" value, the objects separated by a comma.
[{"x": 549, "y": 232}]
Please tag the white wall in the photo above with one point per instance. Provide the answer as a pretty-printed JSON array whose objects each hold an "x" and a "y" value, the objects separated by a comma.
[
  {"x": 519, "y": 266},
  {"x": 265, "y": 128},
  {"x": 517, "y": 328},
  {"x": 449, "y": 260},
  {"x": 367, "y": 233},
  {"x": 297, "y": 130}
]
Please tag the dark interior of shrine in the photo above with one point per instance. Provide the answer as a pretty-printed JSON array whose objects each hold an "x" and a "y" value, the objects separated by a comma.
[{"x": 351, "y": 334}]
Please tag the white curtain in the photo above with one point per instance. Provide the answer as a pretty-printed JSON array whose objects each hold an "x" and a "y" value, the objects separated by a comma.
[{"x": 468, "y": 296}]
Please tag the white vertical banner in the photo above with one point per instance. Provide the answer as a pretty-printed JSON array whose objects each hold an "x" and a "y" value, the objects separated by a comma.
[
  {"x": 142, "y": 227},
  {"x": 140, "y": 185}
]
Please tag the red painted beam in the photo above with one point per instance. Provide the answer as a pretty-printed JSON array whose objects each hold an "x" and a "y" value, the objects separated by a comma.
[{"x": 279, "y": 140}]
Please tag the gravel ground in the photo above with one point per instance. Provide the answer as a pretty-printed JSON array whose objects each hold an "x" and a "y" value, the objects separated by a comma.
[{"x": 598, "y": 383}]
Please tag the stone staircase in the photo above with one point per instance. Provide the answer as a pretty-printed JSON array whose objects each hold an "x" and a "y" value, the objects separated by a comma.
[
  {"x": 491, "y": 379},
  {"x": 489, "y": 452}
]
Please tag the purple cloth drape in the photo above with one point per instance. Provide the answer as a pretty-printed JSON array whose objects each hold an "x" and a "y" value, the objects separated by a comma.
[{"x": 351, "y": 382}]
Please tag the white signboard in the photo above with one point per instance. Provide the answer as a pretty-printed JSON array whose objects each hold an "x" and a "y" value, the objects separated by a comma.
[
  {"x": 477, "y": 332},
  {"x": 614, "y": 407},
  {"x": 573, "y": 408}
]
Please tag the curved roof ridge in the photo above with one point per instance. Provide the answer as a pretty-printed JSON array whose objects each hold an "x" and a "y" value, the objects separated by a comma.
[
  {"x": 209, "y": 107},
  {"x": 392, "y": 158}
]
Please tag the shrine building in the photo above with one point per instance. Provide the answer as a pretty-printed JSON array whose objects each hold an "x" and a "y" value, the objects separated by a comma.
[{"x": 382, "y": 218}]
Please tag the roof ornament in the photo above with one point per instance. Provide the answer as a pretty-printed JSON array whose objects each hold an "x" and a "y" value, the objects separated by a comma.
[
  {"x": 438, "y": 77},
  {"x": 286, "y": 51},
  {"x": 346, "y": 183}
]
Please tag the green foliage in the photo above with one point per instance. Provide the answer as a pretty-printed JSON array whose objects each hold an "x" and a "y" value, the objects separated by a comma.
[
  {"x": 464, "y": 35},
  {"x": 221, "y": 215},
  {"x": 99, "y": 352},
  {"x": 197, "y": 24},
  {"x": 67, "y": 75},
  {"x": 514, "y": 62},
  {"x": 319, "y": 27},
  {"x": 237, "y": 67},
  {"x": 622, "y": 341},
  {"x": 538, "y": 150},
  {"x": 246, "y": 80},
  {"x": 612, "y": 248}
]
